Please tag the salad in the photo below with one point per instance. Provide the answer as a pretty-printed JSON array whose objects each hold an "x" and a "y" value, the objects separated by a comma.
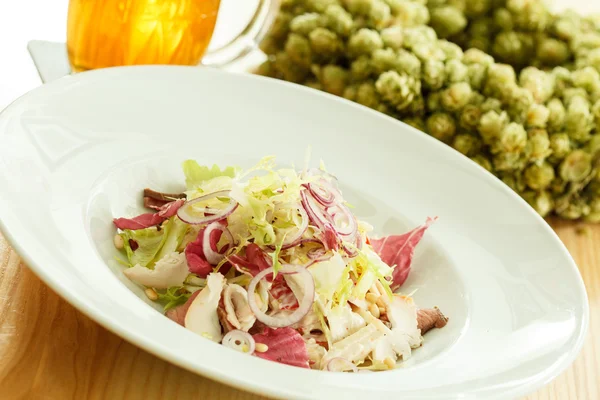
[{"x": 272, "y": 262}]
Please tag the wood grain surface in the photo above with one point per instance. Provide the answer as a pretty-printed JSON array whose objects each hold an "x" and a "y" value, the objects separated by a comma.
[{"x": 49, "y": 350}]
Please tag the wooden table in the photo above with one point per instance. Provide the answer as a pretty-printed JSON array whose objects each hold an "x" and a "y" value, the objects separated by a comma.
[{"x": 50, "y": 350}]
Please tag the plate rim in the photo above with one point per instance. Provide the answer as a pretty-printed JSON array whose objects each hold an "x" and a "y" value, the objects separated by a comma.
[{"x": 549, "y": 373}]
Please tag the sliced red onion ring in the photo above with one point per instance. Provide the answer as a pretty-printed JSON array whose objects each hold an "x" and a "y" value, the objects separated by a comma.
[
  {"x": 240, "y": 341},
  {"x": 185, "y": 212},
  {"x": 340, "y": 364},
  {"x": 350, "y": 251},
  {"x": 341, "y": 214},
  {"x": 213, "y": 256},
  {"x": 318, "y": 254},
  {"x": 359, "y": 241},
  {"x": 324, "y": 192},
  {"x": 336, "y": 222},
  {"x": 305, "y": 303},
  {"x": 321, "y": 220}
]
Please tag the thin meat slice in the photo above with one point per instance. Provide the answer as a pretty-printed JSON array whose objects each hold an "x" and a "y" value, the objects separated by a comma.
[
  {"x": 429, "y": 318},
  {"x": 155, "y": 200},
  {"x": 285, "y": 345},
  {"x": 177, "y": 314},
  {"x": 170, "y": 209},
  {"x": 147, "y": 220},
  {"x": 140, "y": 222},
  {"x": 398, "y": 251},
  {"x": 194, "y": 253}
]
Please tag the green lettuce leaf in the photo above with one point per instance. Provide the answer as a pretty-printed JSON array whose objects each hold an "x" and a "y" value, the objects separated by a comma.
[
  {"x": 149, "y": 242},
  {"x": 196, "y": 175},
  {"x": 175, "y": 232}
]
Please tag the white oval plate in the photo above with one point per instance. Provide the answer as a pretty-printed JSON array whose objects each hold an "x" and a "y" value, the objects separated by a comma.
[{"x": 76, "y": 152}]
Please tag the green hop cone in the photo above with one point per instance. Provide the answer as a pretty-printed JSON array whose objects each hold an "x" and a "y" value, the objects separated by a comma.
[
  {"x": 542, "y": 202},
  {"x": 576, "y": 166},
  {"x": 364, "y": 42},
  {"x": 399, "y": 90},
  {"x": 469, "y": 145},
  {"x": 441, "y": 126},
  {"x": 456, "y": 96},
  {"x": 539, "y": 177},
  {"x": 447, "y": 21}
]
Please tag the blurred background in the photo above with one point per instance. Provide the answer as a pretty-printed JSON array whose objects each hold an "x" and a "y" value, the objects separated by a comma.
[{"x": 25, "y": 20}]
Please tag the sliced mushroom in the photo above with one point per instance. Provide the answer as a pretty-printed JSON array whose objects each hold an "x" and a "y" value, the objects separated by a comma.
[
  {"x": 201, "y": 317},
  {"x": 171, "y": 270},
  {"x": 238, "y": 312}
]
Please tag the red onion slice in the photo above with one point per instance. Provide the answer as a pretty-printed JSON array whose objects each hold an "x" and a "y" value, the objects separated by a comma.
[
  {"x": 315, "y": 213},
  {"x": 321, "y": 220},
  {"x": 304, "y": 306},
  {"x": 324, "y": 192},
  {"x": 318, "y": 254},
  {"x": 336, "y": 222},
  {"x": 341, "y": 214},
  {"x": 186, "y": 215},
  {"x": 350, "y": 251},
  {"x": 240, "y": 341},
  {"x": 212, "y": 255},
  {"x": 340, "y": 364}
]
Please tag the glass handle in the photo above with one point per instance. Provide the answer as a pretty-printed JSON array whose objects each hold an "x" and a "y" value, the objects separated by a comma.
[{"x": 248, "y": 39}]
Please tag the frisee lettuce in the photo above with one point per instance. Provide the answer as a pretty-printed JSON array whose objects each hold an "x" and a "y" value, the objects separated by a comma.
[
  {"x": 173, "y": 297},
  {"x": 275, "y": 257}
]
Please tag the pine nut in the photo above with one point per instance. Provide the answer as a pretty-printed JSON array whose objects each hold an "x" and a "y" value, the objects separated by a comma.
[
  {"x": 373, "y": 309},
  {"x": 119, "y": 242},
  {"x": 389, "y": 362},
  {"x": 372, "y": 298},
  {"x": 261, "y": 347},
  {"x": 151, "y": 294}
]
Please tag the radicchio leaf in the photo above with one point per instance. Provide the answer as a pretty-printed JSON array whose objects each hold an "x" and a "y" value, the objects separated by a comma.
[
  {"x": 398, "y": 251},
  {"x": 195, "y": 257},
  {"x": 285, "y": 345}
]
